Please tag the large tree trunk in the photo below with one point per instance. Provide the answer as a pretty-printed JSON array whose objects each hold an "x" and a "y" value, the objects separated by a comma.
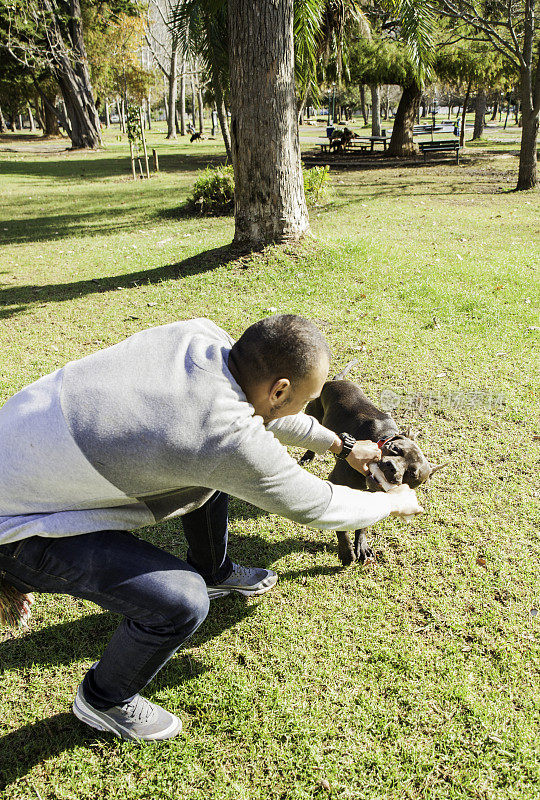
[
  {"x": 402, "y": 143},
  {"x": 269, "y": 198},
  {"x": 479, "y": 114},
  {"x": 172, "y": 79},
  {"x": 530, "y": 107},
  {"x": 528, "y": 177},
  {"x": 375, "y": 110},
  {"x": 70, "y": 69},
  {"x": 3, "y": 127}
]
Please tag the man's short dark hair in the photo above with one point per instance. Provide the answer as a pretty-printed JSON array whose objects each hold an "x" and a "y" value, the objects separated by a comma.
[{"x": 283, "y": 346}]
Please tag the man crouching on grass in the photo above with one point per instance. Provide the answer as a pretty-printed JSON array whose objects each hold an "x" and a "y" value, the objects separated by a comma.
[{"x": 164, "y": 424}]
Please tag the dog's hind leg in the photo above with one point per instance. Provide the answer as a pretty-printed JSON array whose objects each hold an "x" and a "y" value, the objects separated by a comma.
[
  {"x": 362, "y": 550},
  {"x": 345, "y": 548}
]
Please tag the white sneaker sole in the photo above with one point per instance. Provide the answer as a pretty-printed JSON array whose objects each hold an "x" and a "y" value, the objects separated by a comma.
[
  {"x": 214, "y": 593},
  {"x": 96, "y": 719}
]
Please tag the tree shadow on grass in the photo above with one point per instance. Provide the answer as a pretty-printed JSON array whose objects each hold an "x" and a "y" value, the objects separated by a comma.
[
  {"x": 16, "y": 299},
  {"x": 94, "y": 166}
]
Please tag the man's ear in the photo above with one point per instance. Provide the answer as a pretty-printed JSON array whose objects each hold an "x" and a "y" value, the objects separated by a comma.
[{"x": 280, "y": 391}]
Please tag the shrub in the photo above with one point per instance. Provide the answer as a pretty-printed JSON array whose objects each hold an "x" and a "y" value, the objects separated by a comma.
[
  {"x": 213, "y": 192},
  {"x": 315, "y": 184}
]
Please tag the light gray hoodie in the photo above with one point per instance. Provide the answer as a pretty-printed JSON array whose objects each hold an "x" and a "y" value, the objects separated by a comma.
[{"x": 146, "y": 430}]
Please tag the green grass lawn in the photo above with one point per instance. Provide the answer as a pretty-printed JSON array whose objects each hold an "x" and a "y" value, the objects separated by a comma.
[{"x": 416, "y": 678}]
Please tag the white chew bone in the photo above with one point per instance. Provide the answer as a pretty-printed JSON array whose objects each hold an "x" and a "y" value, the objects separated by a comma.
[{"x": 378, "y": 475}]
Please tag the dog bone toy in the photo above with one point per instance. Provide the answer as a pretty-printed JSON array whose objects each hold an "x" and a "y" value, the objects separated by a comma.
[{"x": 378, "y": 476}]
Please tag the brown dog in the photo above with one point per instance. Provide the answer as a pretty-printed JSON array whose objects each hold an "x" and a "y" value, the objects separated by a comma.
[{"x": 343, "y": 407}]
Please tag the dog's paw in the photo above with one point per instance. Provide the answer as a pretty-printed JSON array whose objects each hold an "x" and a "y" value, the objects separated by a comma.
[
  {"x": 363, "y": 551},
  {"x": 346, "y": 557},
  {"x": 366, "y": 556}
]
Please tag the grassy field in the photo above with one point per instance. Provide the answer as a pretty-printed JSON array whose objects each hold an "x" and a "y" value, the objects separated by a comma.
[{"x": 416, "y": 678}]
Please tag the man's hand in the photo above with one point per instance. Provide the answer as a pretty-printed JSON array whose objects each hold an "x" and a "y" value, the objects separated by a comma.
[
  {"x": 362, "y": 455},
  {"x": 405, "y": 501}
]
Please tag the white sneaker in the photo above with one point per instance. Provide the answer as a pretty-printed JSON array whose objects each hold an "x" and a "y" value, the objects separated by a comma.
[
  {"x": 136, "y": 719},
  {"x": 244, "y": 580}
]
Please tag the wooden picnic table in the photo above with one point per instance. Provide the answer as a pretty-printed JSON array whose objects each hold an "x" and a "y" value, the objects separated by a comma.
[
  {"x": 371, "y": 139},
  {"x": 358, "y": 142}
]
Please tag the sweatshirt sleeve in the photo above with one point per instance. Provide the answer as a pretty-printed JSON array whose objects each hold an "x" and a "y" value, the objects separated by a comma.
[
  {"x": 260, "y": 471},
  {"x": 301, "y": 430}
]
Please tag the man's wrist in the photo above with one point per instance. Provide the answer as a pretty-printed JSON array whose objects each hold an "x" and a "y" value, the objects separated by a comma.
[{"x": 337, "y": 446}]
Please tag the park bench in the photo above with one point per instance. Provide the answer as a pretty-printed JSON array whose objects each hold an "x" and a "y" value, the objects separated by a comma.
[{"x": 447, "y": 146}]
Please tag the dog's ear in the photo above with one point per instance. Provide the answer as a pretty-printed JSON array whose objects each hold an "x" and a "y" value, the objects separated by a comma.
[{"x": 437, "y": 467}]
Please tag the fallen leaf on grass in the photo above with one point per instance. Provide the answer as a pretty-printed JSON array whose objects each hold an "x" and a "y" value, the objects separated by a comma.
[{"x": 481, "y": 561}]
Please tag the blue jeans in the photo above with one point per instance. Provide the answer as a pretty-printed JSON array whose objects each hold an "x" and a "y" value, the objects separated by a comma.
[{"x": 163, "y": 599}]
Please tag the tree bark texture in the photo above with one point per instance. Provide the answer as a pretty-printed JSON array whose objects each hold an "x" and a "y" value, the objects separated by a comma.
[
  {"x": 479, "y": 114},
  {"x": 375, "y": 110},
  {"x": 402, "y": 143},
  {"x": 51, "y": 127},
  {"x": 172, "y": 81},
  {"x": 269, "y": 197},
  {"x": 3, "y": 127}
]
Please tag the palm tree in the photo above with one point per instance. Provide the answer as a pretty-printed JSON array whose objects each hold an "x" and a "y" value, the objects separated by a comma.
[
  {"x": 414, "y": 24},
  {"x": 202, "y": 28}
]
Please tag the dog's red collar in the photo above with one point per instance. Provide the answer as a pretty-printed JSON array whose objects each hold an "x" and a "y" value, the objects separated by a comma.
[{"x": 381, "y": 443}]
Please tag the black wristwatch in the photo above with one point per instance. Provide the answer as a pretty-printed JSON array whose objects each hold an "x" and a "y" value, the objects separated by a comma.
[{"x": 348, "y": 443}]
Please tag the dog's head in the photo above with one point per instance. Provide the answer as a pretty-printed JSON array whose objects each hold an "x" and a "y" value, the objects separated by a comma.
[{"x": 402, "y": 461}]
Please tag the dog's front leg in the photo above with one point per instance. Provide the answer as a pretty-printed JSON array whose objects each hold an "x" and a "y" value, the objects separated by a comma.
[
  {"x": 362, "y": 550},
  {"x": 345, "y": 549}
]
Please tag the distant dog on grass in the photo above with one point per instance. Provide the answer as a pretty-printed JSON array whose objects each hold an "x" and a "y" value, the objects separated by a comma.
[{"x": 195, "y": 136}]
